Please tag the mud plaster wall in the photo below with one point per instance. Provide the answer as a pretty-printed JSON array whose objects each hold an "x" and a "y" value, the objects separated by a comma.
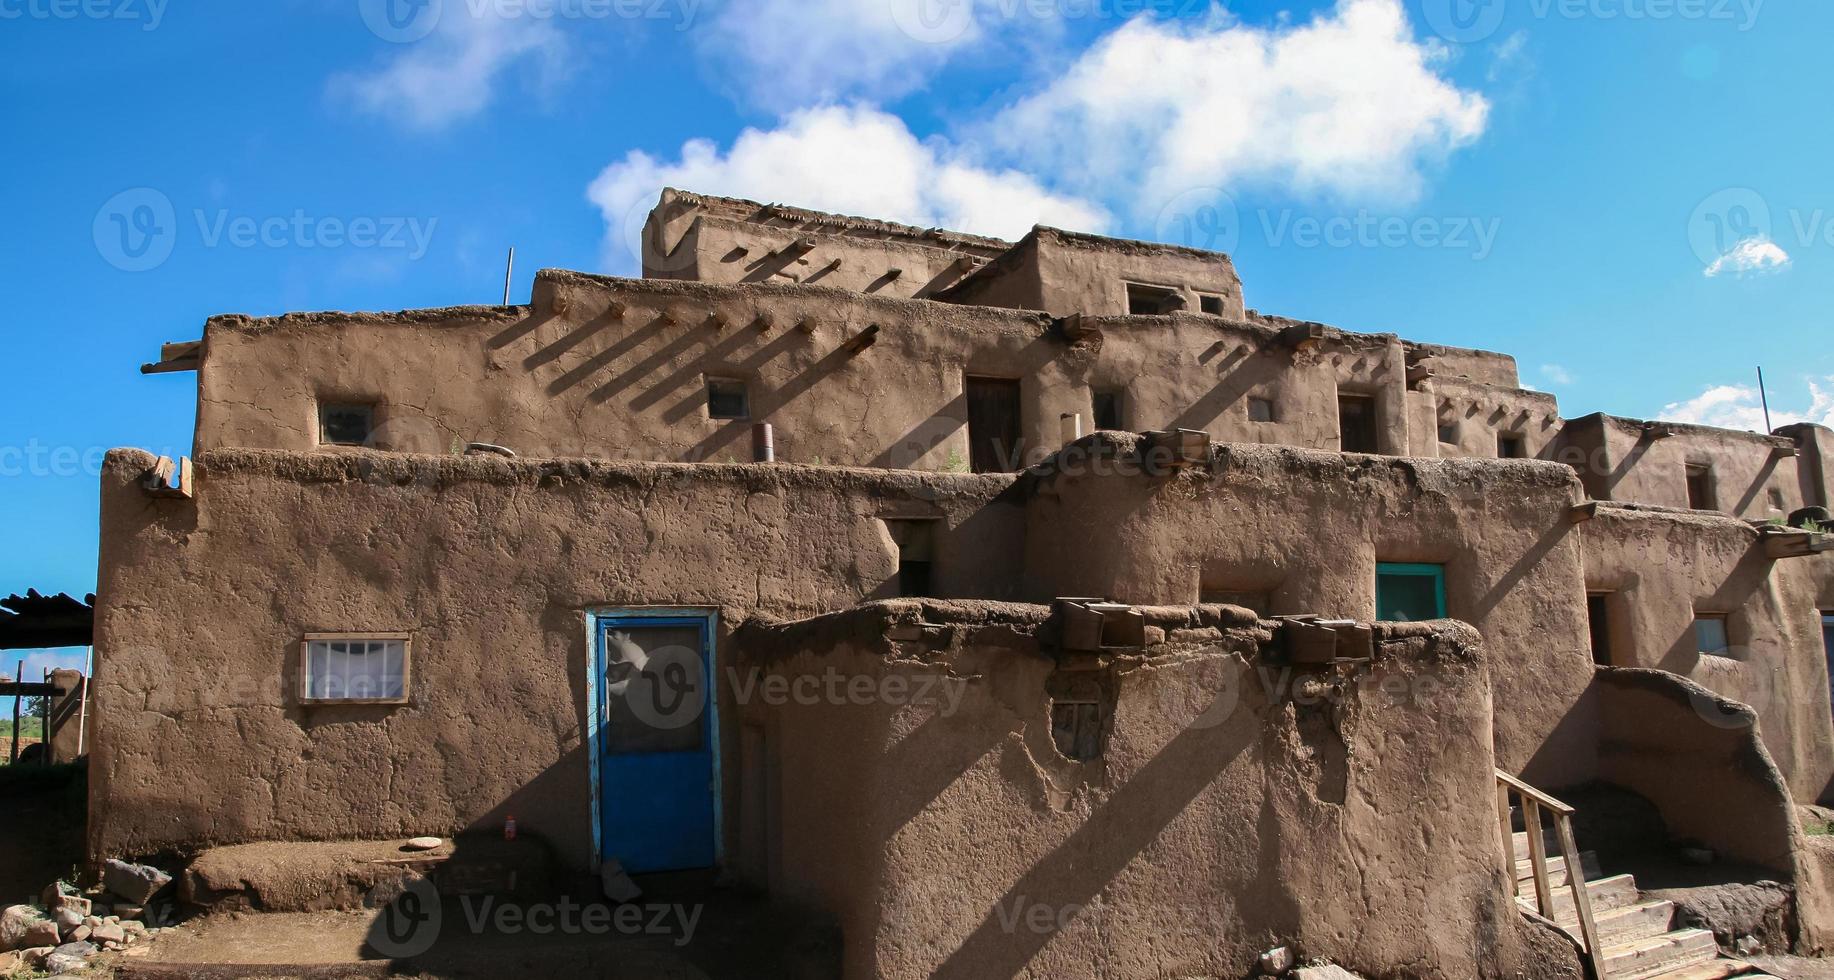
[
  {"x": 1480, "y": 414},
  {"x": 1221, "y": 819},
  {"x": 724, "y": 250},
  {"x": 623, "y": 382},
  {"x": 1083, "y": 275},
  {"x": 1635, "y": 467},
  {"x": 1661, "y": 568},
  {"x": 1307, "y": 529},
  {"x": 199, "y": 737}
]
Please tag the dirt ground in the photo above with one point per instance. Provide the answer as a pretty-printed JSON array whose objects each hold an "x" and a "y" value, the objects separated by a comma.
[
  {"x": 41, "y": 821},
  {"x": 717, "y": 937}
]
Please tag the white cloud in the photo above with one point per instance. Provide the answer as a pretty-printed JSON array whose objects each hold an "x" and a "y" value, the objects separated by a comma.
[
  {"x": 853, "y": 160},
  {"x": 1508, "y": 57},
  {"x": 1742, "y": 407},
  {"x": 1557, "y": 374},
  {"x": 455, "y": 73},
  {"x": 786, "y": 54},
  {"x": 1346, "y": 104},
  {"x": 1753, "y": 256}
]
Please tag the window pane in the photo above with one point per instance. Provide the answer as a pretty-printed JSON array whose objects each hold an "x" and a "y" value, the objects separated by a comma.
[
  {"x": 1710, "y": 635},
  {"x": 355, "y": 670},
  {"x": 1409, "y": 595},
  {"x": 656, "y": 689}
]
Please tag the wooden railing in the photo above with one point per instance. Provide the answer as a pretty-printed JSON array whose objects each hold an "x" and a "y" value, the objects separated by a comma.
[{"x": 1533, "y": 803}]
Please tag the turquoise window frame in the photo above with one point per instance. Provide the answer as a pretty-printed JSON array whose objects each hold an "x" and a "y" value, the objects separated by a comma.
[{"x": 1415, "y": 570}]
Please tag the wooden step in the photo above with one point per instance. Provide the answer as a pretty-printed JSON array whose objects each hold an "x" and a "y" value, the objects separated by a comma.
[
  {"x": 1657, "y": 955},
  {"x": 1715, "y": 970},
  {"x": 1629, "y": 923},
  {"x": 1614, "y": 892},
  {"x": 1557, "y": 869},
  {"x": 1519, "y": 841}
]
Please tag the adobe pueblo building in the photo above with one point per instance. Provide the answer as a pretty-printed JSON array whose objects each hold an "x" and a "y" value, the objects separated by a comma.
[{"x": 1030, "y": 609}]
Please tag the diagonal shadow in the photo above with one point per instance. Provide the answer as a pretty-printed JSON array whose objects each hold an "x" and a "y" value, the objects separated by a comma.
[
  {"x": 1130, "y": 821},
  {"x": 592, "y": 365}
]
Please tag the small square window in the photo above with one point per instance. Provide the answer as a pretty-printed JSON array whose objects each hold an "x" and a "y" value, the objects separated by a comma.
[
  {"x": 1711, "y": 637},
  {"x": 1260, "y": 410},
  {"x": 1213, "y": 305},
  {"x": 346, "y": 424},
  {"x": 726, "y": 399},
  {"x": 1410, "y": 592},
  {"x": 1106, "y": 410},
  {"x": 354, "y": 668},
  {"x": 1509, "y": 446},
  {"x": 1448, "y": 433},
  {"x": 1144, "y": 300}
]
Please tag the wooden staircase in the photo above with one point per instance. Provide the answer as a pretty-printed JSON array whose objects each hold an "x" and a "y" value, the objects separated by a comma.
[{"x": 1626, "y": 936}]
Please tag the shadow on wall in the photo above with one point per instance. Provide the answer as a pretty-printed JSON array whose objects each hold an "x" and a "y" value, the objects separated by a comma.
[{"x": 498, "y": 907}]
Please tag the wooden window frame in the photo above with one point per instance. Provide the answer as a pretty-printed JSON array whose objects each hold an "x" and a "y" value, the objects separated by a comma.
[
  {"x": 305, "y": 667},
  {"x": 1415, "y": 570}
]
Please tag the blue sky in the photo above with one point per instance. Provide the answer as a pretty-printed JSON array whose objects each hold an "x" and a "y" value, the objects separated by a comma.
[{"x": 1631, "y": 196}]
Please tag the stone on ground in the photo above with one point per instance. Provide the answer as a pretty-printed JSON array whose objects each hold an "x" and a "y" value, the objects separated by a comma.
[
  {"x": 23, "y": 926},
  {"x": 134, "y": 882}
]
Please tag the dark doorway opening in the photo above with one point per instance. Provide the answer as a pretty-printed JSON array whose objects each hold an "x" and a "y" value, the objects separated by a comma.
[{"x": 993, "y": 425}]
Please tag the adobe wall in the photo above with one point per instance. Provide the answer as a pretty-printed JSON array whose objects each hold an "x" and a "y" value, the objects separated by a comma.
[
  {"x": 1816, "y": 463},
  {"x": 1307, "y": 529},
  {"x": 1089, "y": 274},
  {"x": 595, "y": 369},
  {"x": 1231, "y": 810},
  {"x": 1661, "y": 567},
  {"x": 1481, "y": 413},
  {"x": 727, "y": 240},
  {"x": 1624, "y": 462},
  {"x": 197, "y": 734}
]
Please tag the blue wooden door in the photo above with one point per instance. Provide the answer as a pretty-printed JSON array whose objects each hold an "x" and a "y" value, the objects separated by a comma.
[{"x": 654, "y": 677}]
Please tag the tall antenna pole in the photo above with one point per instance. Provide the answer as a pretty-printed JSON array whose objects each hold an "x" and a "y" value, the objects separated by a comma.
[
  {"x": 508, "y": 270},
  {"x": 1765, "y": 397}
]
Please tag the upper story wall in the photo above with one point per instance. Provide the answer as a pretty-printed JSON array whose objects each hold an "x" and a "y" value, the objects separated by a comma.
[
  {"x": 620, "y": 369},
  {"x": 726, "y": 240},
  {"x": 1064, "y": 273},
  {"x": 1669, "y": 464}
]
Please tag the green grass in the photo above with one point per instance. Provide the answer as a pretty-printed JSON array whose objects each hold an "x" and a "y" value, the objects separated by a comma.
[{"x": 28, "y": 728}]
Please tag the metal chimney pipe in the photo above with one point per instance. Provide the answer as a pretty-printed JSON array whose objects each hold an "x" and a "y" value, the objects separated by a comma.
[{"x": 763, "y": 443}]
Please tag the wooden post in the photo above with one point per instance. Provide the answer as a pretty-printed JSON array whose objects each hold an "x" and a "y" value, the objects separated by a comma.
[
  {"x": 1537, "y": 855},
  {"x": 1509, "y": 839},
  {"x": 44, "y": 725},
  {"x": 1582, "y": 899},
  {"x": 18, "y": 677}
]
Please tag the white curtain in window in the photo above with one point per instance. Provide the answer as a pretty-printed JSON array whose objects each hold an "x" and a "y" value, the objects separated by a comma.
[{"x": 355, "y": 670}]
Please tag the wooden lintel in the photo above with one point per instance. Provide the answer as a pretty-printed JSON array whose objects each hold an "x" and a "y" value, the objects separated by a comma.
[{"x": 1796, "y": 544}]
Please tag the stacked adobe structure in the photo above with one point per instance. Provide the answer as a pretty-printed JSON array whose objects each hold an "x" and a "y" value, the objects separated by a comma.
[{"x": 933, "y": 496}]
